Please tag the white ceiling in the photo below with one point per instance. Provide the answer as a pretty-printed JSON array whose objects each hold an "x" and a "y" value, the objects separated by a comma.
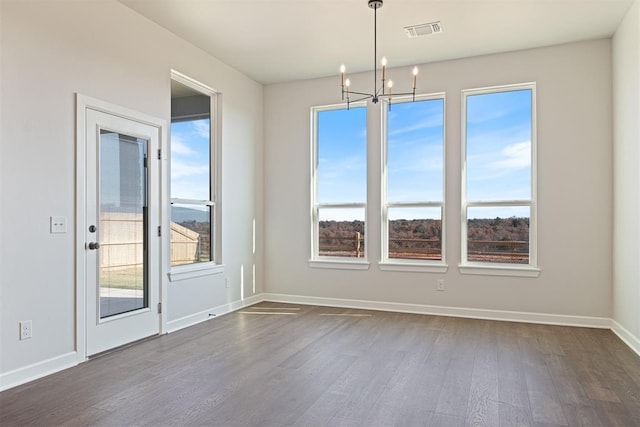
[{"x": 282, "y": 40}]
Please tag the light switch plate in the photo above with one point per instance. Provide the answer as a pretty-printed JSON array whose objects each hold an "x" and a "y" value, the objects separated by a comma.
[{"x": 58, "y": 224}]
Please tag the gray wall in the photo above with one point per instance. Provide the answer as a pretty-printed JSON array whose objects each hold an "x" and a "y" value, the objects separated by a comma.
[
  {"x": 626, "y": 251},
  {"x": 574, "y": 186},
  {"x": 51, "y": 50}
]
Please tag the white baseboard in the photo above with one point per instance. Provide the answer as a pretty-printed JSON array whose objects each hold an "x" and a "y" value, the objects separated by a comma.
[
  {"x": 473, "y": 313},
  {"x": 627, "y": 337},
  {"x": 37, "y": 370},
  {"x": 192, "y": 319}
]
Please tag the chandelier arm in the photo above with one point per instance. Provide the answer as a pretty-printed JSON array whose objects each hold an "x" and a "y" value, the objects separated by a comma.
[
  {"x": 396, "y": 94},
  {"x": 369, "y": 95},
  {"x": 361, "y": 99}
]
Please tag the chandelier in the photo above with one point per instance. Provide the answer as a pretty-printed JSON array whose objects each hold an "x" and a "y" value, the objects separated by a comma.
[{"x": 378, "y": 92}]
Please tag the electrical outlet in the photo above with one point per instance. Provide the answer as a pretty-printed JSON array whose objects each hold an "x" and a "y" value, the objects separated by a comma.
[
  {"x": 440, "y": 285},
  {"x": 227, "y": 282},
  {"x": 26, "y": 329}
]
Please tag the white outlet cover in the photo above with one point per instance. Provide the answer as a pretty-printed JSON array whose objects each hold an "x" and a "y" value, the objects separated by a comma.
[{"x": 26, "y": 329}]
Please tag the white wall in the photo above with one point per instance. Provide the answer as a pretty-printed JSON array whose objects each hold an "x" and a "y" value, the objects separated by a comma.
[
  {"x": 51, "y": 50},
  {"x": 626, "y": 250},
  {"x": 574, "y": 185},
  {"x": 1, "y": 179}
]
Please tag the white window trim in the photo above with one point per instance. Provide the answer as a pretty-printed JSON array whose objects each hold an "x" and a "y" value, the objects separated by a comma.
[
  {"x": 335, "y": 263},
  {"x": 215, "y": 266},
  {"x": 315, "y": 261},
  {"x": 395, "y": 264},
  {"x": 501, "y": 269},
  {"x": 190, "y": 271}
]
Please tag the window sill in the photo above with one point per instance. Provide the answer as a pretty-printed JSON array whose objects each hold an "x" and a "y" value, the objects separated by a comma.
[
  {"x": 499, "y": 270},
  {"x": 191, "y": 271},
  {"x": 413, "y": 266},
  {"x": 339, "y": 264}
]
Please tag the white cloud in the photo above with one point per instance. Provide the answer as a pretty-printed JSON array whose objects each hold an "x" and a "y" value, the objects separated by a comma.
[
  {"x": 201, "y": 128},
  {"x": 514, "y": 156},
  {"x": 180, "y": 169},
  {"x": 189, "y": 190},
  {"x": 342, "y": 167},
  {"x": 433, "y": 121},
  {"x": 178, "y": 146}
]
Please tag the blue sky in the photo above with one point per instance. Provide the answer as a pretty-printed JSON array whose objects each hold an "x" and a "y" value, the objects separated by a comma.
[
  {"x": 499, "y": 146},
  {"x": 190, "y": 160},
  {"x": 498, "y": 155},
  {"x": 415, "y": 157},
  {"x": 342, "y": 156}
]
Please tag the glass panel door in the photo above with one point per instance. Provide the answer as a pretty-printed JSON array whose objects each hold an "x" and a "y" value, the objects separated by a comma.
[
  {"x": 123, "y": 283},
  {"x": 122, "y": 216}
]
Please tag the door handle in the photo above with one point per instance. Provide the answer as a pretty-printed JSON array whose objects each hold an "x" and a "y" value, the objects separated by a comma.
[{"x": 94, "y": 246}]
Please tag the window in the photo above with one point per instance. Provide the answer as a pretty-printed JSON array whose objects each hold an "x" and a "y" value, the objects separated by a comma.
[
  {"x": 499, "y": 188},
  {"x": 193, "y": 236},
  {"x": 413, "y": 182},
  {"x": 339, "y": 185}
]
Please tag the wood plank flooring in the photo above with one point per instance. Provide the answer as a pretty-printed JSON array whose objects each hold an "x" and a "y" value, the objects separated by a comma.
[{"x": 290, "y": 365}]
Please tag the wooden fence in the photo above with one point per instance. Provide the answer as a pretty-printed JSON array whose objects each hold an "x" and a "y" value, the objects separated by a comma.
[
  {"x": 516, "y": 252},
  {"x": 122, "y": 235},
  {"x": 352, "y": 246}
]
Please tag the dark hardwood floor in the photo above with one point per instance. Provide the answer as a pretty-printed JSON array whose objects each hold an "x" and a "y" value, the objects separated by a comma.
[{"x": 279, "y": 365}]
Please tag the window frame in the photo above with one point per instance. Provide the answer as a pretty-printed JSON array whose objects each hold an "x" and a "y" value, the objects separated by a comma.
[
  {"x": 399, "y": 264},
  {"x": 315, "y": 260},
  {"x": 493, "y": 268},
  {"x": 214, "y": 266}
]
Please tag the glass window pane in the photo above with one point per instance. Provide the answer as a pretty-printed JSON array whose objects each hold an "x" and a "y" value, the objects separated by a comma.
[
  {"x": 190, "y": 154},
  {"x": 498, "y": 234},
  {"x": 342, "y": 155},
  {"x": 415, "y": 233},
  {"x": 123, "y": 220},
  {"x": 415, "y": 151},
  {"x": 499, "y": 133},
  {"x": 190, "y": 234},
  {"x": 341, "y": 232},
  {"x": 191, "y": 171}
]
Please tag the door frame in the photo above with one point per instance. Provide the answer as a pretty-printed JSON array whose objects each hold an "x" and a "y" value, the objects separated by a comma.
[{"x": 83, "y": 103}]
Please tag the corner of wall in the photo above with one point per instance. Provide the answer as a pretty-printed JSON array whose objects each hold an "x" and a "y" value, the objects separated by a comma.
[{"x": 626, "y": 147}]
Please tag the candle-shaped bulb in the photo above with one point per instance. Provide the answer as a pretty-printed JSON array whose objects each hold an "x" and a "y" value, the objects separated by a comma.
[
  {"x": 415, "y": 74},
  {"x": 390, "y": 85},
  {"x": 347, "y": 83},
  {"x": 384, "y": 68},
  {"x": 343, "y": 68}
]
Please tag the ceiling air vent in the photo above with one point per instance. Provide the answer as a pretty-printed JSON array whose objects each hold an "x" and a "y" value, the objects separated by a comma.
[{"x": 423, "y": 29}]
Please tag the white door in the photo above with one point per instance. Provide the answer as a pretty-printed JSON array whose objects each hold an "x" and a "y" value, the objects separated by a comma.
[{"x": 121, "y": 233}]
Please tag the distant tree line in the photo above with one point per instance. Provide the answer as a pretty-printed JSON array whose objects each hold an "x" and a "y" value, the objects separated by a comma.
[{"x": 497, "y": 229}]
